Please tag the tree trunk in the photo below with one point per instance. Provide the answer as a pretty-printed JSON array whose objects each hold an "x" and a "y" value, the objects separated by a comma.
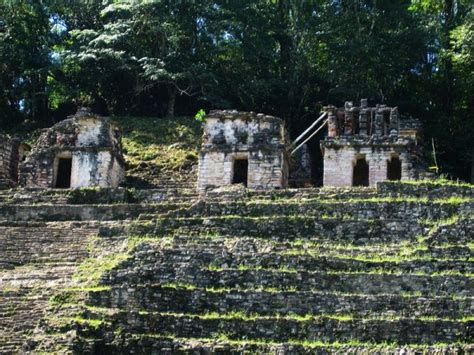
[
  {"x": 39, "y": 99},
  {"x": 449, "y": 90},
  {"x": 171, "y": 101}
]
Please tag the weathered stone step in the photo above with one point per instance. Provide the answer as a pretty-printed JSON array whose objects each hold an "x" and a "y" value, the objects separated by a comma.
[
  {"x": 286, "y": 228},
  {"x": 460, "y": 232},
  {"x": 303, "y": 262},
  {"x": 28, "y": 196},
  {"x": 312, "y": 193},
  {"x": 47, "y": 242},
  {"x": 345, "y": 282},
  {"x": 385, "y": 208},
  {"x": 19, "y": 312},
  {"x": 34, "y": 275},
  {"x": 427, "y": 189},
  {"x": 188, "y": 299},
  {"x": 81, "y": 212},
  {"x": 95, "y": 195},
  {"x": 373, "y": 252},
  {"x": 327, "y": 329},
  {"x": 159, "y": 344},
  {"x": 24, "y": 298},
  {"x": 9, "y": 345}
]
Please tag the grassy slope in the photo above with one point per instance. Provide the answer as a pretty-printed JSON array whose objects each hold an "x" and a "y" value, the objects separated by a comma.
[{"x": 157, "y": 149}]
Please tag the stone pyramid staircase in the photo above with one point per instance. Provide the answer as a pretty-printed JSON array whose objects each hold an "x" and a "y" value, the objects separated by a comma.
[
  {"x": 386, "y": 270},
  {"x": 45, "y": 235}
]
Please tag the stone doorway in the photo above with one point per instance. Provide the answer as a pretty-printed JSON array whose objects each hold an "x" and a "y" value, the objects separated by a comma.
[
  {"x": 241, "y": 168},
  {"x": 394, "y": 169},
  {"x": 63, "y": 173},
  {"x": 360, "y": 175}
]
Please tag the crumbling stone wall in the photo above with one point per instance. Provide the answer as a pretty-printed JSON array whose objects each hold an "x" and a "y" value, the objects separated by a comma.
[
  {"x": 93, "y": 144},
  {"x": 232, "y": 135},
  {"x": 11, "y": 153},
  {"x": 300, "y": 168},
  {"x": 375, "y": 135}
]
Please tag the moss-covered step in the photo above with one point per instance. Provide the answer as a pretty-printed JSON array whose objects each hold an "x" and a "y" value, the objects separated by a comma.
[
  {"x": 286, "y": 228},
  {"x": 327, "y": 328},
  {"x": 187, "y": 298}
]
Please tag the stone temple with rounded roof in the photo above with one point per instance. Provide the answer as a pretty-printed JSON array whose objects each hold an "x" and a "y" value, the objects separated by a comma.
[{"x": 83, "y": 150}]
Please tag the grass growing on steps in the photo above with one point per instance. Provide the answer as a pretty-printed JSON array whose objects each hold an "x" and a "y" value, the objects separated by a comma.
[
  {"x": 100, "y": 312},
  {"x": 440, "y": 181},
  {"x": 375, "y": 199},
  {"x": 159, "y": 148},
  {"x": 110, "y": 253},
  {"x": 374, "y": 271},
  {"x": 90, "y": 270},
  {"x": 286, "y": 290}
]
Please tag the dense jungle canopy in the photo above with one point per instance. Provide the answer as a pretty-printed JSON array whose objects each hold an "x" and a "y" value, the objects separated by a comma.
[{"x": 282, "y": 57}]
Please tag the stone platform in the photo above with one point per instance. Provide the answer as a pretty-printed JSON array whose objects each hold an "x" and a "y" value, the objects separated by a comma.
[{"x": 379, "y": 270}]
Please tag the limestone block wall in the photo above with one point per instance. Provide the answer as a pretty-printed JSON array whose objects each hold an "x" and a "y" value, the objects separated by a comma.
[
  {"x": 339, "y": 161},
  {"x": 265, "y": 170},
  {"x": 6, "y": 154},
  {"x": 11, "y": 153},
  {"x": 338, "y": 166},
  {"x": 232, "y": 135},
  {"x": 95, "y": 169}
]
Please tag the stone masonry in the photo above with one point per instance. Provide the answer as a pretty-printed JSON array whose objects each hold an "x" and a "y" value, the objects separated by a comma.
[
  {"x": 366, "y": 145},
  {"x": 11, "y": 153},
  {"x": 243, "y": 147},
  {"x": 83, "y": 150},
  {"x": 291, "y": 271}
]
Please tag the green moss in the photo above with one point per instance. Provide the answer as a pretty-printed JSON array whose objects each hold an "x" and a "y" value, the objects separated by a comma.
[
  {"x": 371, "y": 271},
  {"x": 93, "y": 323},
  {"x": 90, "y": 271},
  {"x": 438, "y": 182},
  {"x": 98, "y": 195},
  {"x": 65, "y": 297},
  {"x": 159, "y": 148},
  {"x": 88, "y": 288}
]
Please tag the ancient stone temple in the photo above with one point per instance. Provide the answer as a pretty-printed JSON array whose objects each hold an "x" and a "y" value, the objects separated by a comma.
[
  {"x": 243, "y": 147},
  {"x": 366, "y": 145},
  {"x": 12, "y": 152},
  {"x": 83, "y": 150}
]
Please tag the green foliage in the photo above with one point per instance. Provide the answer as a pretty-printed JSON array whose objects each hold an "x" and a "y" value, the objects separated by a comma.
[
  {"x": 199, "y": 116},
  {"x": 152, "y": 58},
  {"x": 24, "y": 61}
]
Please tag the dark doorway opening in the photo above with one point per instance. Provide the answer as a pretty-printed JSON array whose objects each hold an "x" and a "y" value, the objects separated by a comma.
[
  {"x": 394, "y": 169},
  {"x": 241, "y": 168},
  {"x": 361, "y": 173},
  {"x": 63, "y": 176}
]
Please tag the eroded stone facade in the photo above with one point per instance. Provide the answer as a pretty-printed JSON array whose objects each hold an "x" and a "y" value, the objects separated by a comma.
[
  {"x": 83, "y": 150},
  {"x": 243, "y": 147},
  {"x": 12, "y": 152},
  {"x": 366, "y": 145}
]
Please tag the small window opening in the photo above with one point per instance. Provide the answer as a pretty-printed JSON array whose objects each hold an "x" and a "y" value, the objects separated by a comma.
[
  {"x": 361, "y": 173},
  {"x": 241, "y": 167},
  {"x": 63, "y": 175},
  {"x": 394, "y": 169}
]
